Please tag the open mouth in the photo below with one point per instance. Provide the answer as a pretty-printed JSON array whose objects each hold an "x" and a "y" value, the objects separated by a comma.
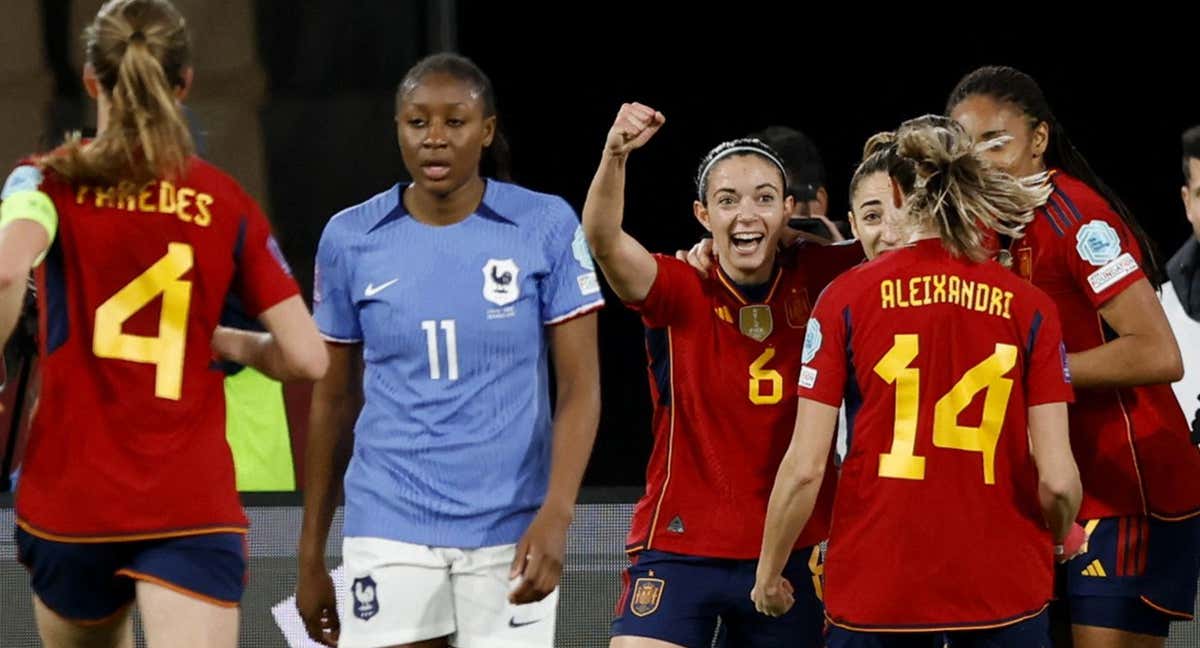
[{"x": 746, "y": 242}]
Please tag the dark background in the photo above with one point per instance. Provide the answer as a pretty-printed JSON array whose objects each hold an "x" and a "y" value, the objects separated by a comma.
[{"x": 328, "y": 71}]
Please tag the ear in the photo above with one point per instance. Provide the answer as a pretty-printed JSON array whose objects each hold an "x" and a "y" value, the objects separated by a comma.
[
  {"x": 489, "y": 130},
  {"x": 1041, "y": 139},
  {"x": 853, "y": 223},
  {"x": 1183, "y": 193},
  {"x": 90, "y": 81},
  {"x": 789, "y": 207},
  {"x": 823, "y": 200},
  {"x": 182, "y": 91},
  {"x": 701, "y": 213}
]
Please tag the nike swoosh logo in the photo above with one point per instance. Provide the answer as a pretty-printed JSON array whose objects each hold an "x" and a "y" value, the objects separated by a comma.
[
  {"x": 373, "y": 290},
  {"x": 513, "y": 623}
]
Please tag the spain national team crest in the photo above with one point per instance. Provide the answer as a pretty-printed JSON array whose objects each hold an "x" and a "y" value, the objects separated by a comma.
[
  {"x": 755, "y": 321},
  {"x": 647, "y": 593},
  {"x": 366, "y": 603},
  {"x": 796, "y": 308},
  {"x": 500, "y": 281}
]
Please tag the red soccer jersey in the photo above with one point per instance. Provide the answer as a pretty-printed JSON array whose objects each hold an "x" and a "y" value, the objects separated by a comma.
[
  {"x": 1132, "y": 444},
  {"x": 128, "y": 439},
  {"x": 936, "y": 523},
  {"x": 721, "y": 370}
]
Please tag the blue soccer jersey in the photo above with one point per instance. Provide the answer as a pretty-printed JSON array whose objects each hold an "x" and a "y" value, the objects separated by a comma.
[{"x": 452, "y": 448}]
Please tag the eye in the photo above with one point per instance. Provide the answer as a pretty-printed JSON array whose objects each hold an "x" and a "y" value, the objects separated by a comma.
[
  {"x": 766, "y": 199},
  {"x": 455, "y": 122},
  {"x": 726, "y": 201},
  {"x": 416, "y": 122},
  {"x": 871, "y": 217}
]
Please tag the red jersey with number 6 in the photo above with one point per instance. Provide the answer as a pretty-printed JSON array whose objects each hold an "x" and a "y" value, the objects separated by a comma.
[
  {"x": 128, "y": 439},
  {"x": 722, "y": 365},
  {"x": 936, "y": 522}
]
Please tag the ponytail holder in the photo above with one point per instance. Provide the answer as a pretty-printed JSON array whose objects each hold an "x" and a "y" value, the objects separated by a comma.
[{"x": 137, "y": 37}]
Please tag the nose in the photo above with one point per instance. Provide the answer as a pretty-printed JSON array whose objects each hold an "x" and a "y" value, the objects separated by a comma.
[{"x": 435, "y": 137}]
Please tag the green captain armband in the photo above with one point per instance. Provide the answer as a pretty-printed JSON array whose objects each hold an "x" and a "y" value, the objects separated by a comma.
[{"x": 31, "y": 205}]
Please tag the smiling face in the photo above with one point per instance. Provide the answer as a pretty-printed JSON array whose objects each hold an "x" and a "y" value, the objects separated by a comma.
[
  {"x": 878, "y": 222},
  {"x": 745, "y": 209},
  {"x": 1022, "y": 148},
  {"x": 442, "y": 130}
]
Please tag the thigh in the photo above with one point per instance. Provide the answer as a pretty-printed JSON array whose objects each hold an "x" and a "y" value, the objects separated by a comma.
[
  {"x": 1105, "y": 583},
  {"x": 397, "y": 593},
  {"x": 174, "y": 619},
  {"x": 802, "y": 626},
  {"x": 57, "y": 632},
  {"x": 672, "y": 598},
  {"x": 482, "y": 614},
  {"x": 77, "y": 582}
]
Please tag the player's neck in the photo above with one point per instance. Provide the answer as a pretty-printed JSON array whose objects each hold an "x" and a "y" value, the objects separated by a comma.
[
  {"x": 447, "y": 209},
  {"x": 748, "y": 279}
]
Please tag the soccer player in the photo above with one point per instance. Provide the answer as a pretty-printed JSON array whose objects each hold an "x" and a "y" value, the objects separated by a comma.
[
  {"x": 127, "y": 487},
  {"x": 945, "y": 360},
  {"x": 1131, "y": 439},
  {"x": 440, "y": 301},
  {"x": 721, "y": 349}
]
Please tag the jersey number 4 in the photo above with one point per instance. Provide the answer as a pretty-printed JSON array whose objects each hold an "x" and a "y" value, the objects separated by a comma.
[
  {"x": 164, "y": 351},
  {"x": 901, "y": 462}
]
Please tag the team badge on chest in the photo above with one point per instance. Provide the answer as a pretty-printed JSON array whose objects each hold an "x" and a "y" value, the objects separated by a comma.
[
  {"x": 501, "y": 284},
  {"x": 755, "y": 322}
]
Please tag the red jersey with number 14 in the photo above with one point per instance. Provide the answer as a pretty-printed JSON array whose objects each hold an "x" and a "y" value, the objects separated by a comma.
[
  {"x": 128, "y": 440},
  {"x": 936, "y": 523}
]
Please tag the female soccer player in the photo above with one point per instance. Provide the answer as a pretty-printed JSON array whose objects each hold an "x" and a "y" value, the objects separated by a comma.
[
  {"x": 440, "y": 300},
  {"x": 722, "y": 349},
  {"x": 127, "y": 488},
  {"x": 945, "y": 360},
  {"x": 1140, "y": 471}
]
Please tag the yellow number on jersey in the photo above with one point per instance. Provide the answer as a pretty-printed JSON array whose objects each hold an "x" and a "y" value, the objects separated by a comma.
[
  {"x": 902, "y": 462},
  {"x": 757, "y": 374},
  {"x": 165, "y": 351}
]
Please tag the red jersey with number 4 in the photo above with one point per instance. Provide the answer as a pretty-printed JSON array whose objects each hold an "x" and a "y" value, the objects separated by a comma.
[
  {"x": 128, "y": 439},
  {"x": 722, "y": 366},
  {"x": 936, "y": 523},
  {"x": 1132, "y": 444}
]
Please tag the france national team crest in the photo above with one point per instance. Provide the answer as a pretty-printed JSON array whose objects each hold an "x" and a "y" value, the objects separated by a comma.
[
  {"x": 756, "y": 322},
  {"x": 366, "y": 603},
  {"x": 647, "y": 593},
  {"x": 1097, "y": 243},
  {"x": 812, "y": 341},
  {"x": 500, "y": 281}
]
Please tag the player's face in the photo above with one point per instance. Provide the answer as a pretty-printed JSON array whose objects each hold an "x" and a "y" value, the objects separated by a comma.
[
  {"x": 442, "y": 132},
  {"x": 878, "y": 222},
  {"x": 1191, "y": 195},
  {"x": 985, "y": 118},
  {"x": 746, "y": 213}
]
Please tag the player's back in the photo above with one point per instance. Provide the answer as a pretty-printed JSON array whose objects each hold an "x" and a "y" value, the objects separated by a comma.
[
  {"x": 129, "y": 434},
  {"x": 936, "y": 520}
]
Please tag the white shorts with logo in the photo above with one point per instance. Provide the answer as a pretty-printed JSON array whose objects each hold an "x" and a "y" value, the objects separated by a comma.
[{"x": 402, "y": 593}]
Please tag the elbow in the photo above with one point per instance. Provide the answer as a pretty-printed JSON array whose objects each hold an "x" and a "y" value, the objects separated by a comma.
[
  {"x": 810, "y": 475},
  {"x": 11, "y": 275},
  {"x": 1172, "y": 365},
  {"x": 310, "y": 365}
]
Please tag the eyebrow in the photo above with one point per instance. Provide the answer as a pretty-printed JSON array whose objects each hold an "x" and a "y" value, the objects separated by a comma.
[
  {"x": 992, "y": 134},
  {"x": 869, "y": 203},
  {"x": 766, "y": 185}
]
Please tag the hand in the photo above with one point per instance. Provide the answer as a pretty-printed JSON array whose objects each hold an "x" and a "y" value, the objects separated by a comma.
[
  {"x": 539, "y": 556},
  {"x": 702, "y": 256},
  {"x": 317, "y": 604},
  {"x": 634, "y": 126},
  {"x": 773, "y": 596},
  {"x": 1073, "y": 545}
]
